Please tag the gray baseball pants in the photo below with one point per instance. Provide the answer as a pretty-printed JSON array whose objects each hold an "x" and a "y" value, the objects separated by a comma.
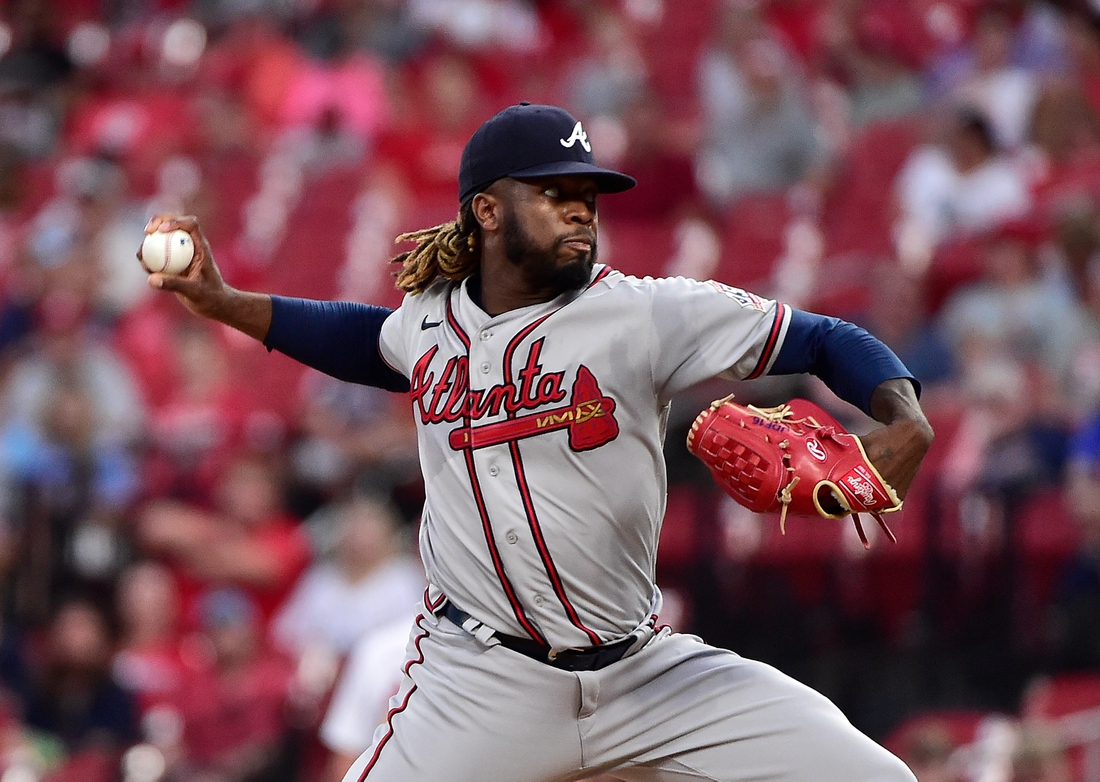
[{"x": 675, "y": 710}]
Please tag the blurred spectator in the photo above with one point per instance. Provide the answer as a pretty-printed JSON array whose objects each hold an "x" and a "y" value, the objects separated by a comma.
[
  {"x": 84, "y": 236},
  {"x": 1002, "y": 91},
  {"x": 758, "y": 128},
  {"x": 1074, "y": 259},
  {"x": 346, "y": 429},
  {"x": 1039, "y": 756},
  {"x": 1011, "y": 440},
  {"x": 897, "y": 314},
  {"x": 1063, "y": 152},
  {"x": 1013, "y": 307},
  {"x": 480, "y": 24},
  {"x": 75, "y": 697},
  {"x": 235, "y": 709},
  {"x": 368, "y": 579},
  {"x": 873, "y": 49},
  {"x": 334, "y": 107},
  {"x": 962, "y": 185},
  {"x": 372, "y": 676},
  {"x": 72, "y": 419},
  {"x": 440, "y": 103},
  {"x": 1076, "y": 608},
  {"x": 927, "y": 749},
  {"x": 1083, "y": 42},
  {"x": 33, "y": 73},
  {"x": 247, "y": 540},
  {"x": 384, "y": 28},
  {"x": 200, "y": 415},
  {"x": 611, "y": 75},
  {"x": 12, "y": 193},
  {"x": 654, "y": 153},
  {"x": 148, "y": 662}
]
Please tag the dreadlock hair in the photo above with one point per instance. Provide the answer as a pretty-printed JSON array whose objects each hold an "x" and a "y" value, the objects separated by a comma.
[{"x": 448, "y": 250}]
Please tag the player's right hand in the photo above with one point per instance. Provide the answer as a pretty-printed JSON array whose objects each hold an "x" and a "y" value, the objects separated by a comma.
[{"x": 200, "y": 287}]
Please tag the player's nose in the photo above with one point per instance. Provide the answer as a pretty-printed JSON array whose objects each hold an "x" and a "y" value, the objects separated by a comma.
[{"x": 580, "y": 211}]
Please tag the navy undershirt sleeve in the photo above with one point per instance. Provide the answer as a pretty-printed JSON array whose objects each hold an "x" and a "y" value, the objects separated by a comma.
[
  {"x": 846, "y": 357},
  {"x": 339, "y": 338}
]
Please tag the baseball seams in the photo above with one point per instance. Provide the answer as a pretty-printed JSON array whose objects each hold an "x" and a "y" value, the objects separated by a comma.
[{"x": 168, "y": 244}]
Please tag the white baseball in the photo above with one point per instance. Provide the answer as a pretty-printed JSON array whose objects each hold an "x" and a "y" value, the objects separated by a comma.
[{"x": 167, "y": 252}]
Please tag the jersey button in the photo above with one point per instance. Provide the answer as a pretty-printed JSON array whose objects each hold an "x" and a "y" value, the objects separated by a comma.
[
  {"x": 511, "y": 537},
  {"x": 494, "y": 470},
  {"x": 485, "y": 368},
  {"x": 486, "y": 336},
  {"x": 538, "y": 600}
]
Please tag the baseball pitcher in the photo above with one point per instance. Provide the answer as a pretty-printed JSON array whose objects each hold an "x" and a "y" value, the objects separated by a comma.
[{"x": 540, "y": 381}]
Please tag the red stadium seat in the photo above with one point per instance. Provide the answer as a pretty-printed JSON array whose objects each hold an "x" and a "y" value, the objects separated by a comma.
[
  {"x": 636, "y": 247},
  {"x": 1057, "y": 696},
  {"x": 672, "y": 48},
  {"x": 858, "y": 215},
  {"x": 1051, "y": 698},
  {"x": 960, "y": 726},
  {"x": 1047, "y": 536},
  {"x": 753, "y": 239}
]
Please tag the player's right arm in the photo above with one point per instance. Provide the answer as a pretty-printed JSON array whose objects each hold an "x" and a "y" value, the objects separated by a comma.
[{"x": 340, "y": 339}]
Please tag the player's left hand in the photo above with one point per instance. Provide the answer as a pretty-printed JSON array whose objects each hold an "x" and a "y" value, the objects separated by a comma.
[{"x": 897, "y": 449}]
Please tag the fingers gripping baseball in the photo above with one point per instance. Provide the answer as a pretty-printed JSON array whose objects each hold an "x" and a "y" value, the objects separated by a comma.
[{"x": 199, "y": 286}]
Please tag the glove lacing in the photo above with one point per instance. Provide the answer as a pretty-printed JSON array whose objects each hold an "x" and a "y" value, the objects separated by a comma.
[{"x": 783, "y": 415}]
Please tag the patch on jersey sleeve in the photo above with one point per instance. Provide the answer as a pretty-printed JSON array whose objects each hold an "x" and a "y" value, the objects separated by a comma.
[{"x": 744, "y": 298}]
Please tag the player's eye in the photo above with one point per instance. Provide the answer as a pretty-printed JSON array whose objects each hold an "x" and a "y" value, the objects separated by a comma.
[{"x": 552, "y": 192}]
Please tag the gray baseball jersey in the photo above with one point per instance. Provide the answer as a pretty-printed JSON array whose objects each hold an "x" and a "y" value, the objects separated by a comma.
[{"x": 541, "y": 434}]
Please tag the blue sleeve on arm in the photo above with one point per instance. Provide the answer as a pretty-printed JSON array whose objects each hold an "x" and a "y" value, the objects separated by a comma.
[
  {"x": 338, "y": 338},
  {"x": 846, "y": 357}
]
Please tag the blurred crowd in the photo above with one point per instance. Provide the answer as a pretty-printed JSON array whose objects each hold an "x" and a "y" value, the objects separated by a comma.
[{"x": 208, "y": 560}]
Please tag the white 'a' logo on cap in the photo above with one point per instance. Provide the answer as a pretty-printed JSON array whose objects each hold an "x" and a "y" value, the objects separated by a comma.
[{"x": 578, "y": 134}]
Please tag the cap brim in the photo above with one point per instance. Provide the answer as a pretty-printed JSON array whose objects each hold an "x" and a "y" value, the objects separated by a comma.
[{"x": 607, "y": 181}]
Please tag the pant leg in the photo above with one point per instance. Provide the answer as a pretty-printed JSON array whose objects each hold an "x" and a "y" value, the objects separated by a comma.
[
  {"x": 681, "y": 710},
  {"x": 470, "y": 713}
]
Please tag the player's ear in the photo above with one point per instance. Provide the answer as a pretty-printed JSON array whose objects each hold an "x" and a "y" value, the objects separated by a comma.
[{"x": 487, "y": 211}]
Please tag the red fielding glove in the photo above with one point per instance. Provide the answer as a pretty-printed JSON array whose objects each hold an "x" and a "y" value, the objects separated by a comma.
[{"x": 793, "y": 458}]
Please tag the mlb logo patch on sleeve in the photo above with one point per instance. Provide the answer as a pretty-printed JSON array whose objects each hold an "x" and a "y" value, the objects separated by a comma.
[{"x": 744, "y": 298}]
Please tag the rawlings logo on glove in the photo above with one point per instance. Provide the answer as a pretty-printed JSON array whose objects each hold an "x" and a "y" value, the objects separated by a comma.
[{"x": 793, "y": 458}]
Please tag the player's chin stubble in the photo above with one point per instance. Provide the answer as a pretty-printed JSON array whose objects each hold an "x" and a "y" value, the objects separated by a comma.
[{"x": 541, "y": 267}]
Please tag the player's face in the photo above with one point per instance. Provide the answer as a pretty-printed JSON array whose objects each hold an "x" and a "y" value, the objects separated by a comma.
[{"x": 549, "y": 231}]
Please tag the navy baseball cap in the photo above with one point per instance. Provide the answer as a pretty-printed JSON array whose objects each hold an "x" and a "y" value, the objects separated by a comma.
[{"x": 528, "y": 140}]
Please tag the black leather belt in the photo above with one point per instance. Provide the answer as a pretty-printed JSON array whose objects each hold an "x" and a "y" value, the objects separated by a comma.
[{"x": 591, "y": 659}]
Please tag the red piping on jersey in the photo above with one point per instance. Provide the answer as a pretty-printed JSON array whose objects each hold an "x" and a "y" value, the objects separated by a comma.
[
  {"x": 603, "y": 273},
  {"x": 452, "y": 321},
  {"x": 509, "y": 590},
  {"x": 405, "y": 701},
  {"x": 769, "y": 345},
  {"x": 487, "y": 525},
  {"x": 528, "y": 502},
  {"x": 433, "y": 607}
]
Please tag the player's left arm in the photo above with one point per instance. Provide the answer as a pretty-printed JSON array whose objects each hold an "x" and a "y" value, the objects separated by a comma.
[{"x": 862, "y": 370}]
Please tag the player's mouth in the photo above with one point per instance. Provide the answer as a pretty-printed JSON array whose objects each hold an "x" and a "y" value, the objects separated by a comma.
[{"x": 579, "y": 244}]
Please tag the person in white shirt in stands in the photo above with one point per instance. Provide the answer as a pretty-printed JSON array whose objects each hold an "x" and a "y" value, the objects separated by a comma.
[
  {"x": 361, "y": 699},
  {"x": 962, "y": 186},
  {"x": 371, "y": 580}
]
